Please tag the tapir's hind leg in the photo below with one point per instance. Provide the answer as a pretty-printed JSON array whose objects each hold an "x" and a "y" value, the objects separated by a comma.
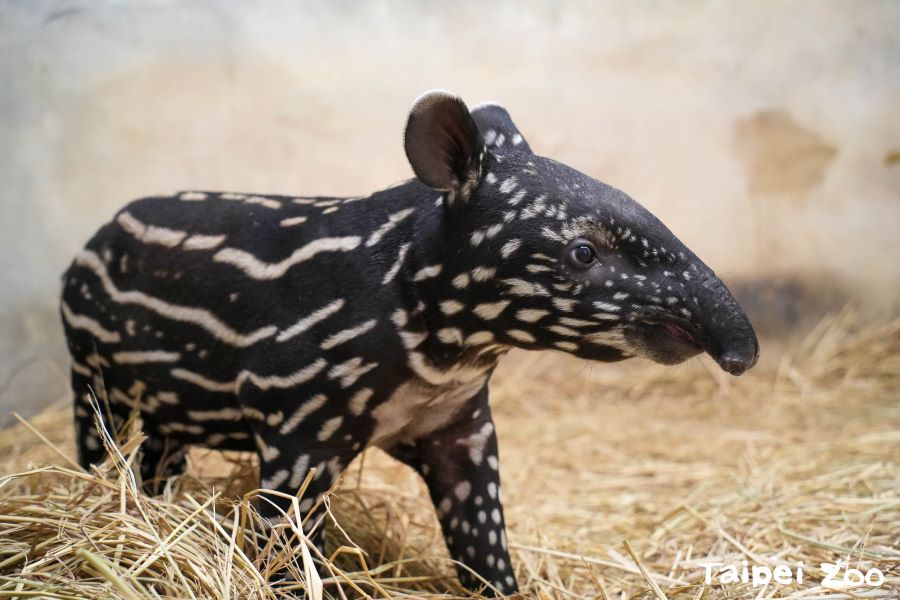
[
  {"x": 459, "y": 465},
  {"x": 87, "y": 440},
  {"x": 161, "y": 458}
]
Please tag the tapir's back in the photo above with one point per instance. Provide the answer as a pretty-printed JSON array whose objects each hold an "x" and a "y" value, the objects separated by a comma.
[{"x": 201, "y": 291}]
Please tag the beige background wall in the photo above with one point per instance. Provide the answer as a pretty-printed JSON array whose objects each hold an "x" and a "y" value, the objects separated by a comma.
[{"x": 765, "y": 134}]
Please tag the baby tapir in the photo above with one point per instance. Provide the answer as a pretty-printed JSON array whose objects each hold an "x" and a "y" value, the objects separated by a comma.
[{"x": 308, "y": 328}]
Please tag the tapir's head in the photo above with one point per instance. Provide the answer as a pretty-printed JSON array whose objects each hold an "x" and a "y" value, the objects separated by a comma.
[{"x": 546, "y": 257}]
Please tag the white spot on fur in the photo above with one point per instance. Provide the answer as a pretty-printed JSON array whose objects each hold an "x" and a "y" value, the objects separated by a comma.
[
  {"x": 450, "y": 335},
  {"x": 570, "y": 322},
  {"x": 564, "y": 304},
  {"x": 520, "y": 287},
  {"x": 564, "y": 331},
  {"x": 203, "y": 242},
  {"x": 508, "y": 185},
  {"x": 537, "y": 268},
  {"x": 81, "y": 369},
  {"x": 427, "y": 272},
  {"x": 358, "y": 401},
  {"x": 482, "y": 274},
  {"x": 399, "y": 318},
  {"x": 276, "y": 480},
  {"x": 521, "y": 336},
  {"x": 451, "y": 307},
  {"x": 607, "y": 306},
  {"x": 516, "y": 198},
  {"x": 388, "y": 225},
  {"x": 552, "y": 235},
  {"x": 444, "y": 507},
  {"x": 192, "y": 196},
  {"x": 412, "y": 339},
  {"x": 398, "y": 263},
  {"x": 462, "y": 490},
  {"x": 606, "y": 317},
  {"x": 303, "y": 411},
  {"x": 258, "y": 269},
  {"x": 510, "y": 247},
  {"x": 262, "y": 382},
  {"x": 531, "y": 315},
  {"x": 223, "y": 414},
  {"x": 292, "y": 221},
  {"x": 328, "y": 428},
  {"x": 298, "y": 473},
  {"x": 346, "y": 335},
  {"x": 308, "y": 321},
  {"x": 479, "y": 337},
  {"x": 149, "y": 356},
  {"x": 490, "y": 310},
  {"x": 264, "y": 202},
  {"x": 477, "y": 442},
  {"x": 461, "y": 281},
  {"x": 150, "y": 234},
  {"x": 350, "y": 371},
  {"x": 90, "y": 325}
]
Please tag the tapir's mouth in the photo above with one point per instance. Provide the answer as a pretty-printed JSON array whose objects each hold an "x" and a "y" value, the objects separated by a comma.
[
  {"x": 670, "y": 338},
  {"x": 680, "y": 333},
  {"x": 715, "y": 325},
  {"x": 669, "y": 326},
  {"x": 666, "y": 337}
]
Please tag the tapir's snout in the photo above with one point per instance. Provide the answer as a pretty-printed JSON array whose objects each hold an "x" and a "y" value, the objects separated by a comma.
[
  {"x": 729, "y": 336},
  {"x": 704, "y": 318}
]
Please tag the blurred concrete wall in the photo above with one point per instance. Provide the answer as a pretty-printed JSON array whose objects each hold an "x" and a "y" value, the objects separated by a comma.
[{"x": 765, "y": 134}]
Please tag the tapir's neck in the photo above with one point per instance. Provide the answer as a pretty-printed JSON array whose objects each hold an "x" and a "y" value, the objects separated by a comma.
[{"x": 435, "y": 289}]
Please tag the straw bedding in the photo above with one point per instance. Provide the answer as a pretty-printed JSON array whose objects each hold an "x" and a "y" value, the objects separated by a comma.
[{"x": 619, "y": 481}]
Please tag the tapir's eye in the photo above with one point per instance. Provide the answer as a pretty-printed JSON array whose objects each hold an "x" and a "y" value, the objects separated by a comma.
[{"x": 582, "y": 255}]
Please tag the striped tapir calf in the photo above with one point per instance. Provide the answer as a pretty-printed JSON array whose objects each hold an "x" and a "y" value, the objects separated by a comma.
[{"x": 306, "y": 329}]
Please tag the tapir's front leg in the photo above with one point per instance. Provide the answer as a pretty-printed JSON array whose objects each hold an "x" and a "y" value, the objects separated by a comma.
[{"x": 460, "y": 465}]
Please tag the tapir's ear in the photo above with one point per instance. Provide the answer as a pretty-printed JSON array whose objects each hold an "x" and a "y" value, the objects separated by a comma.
[
  {"x": 497, "y": 128},
  {"x": 442, "y": 143}
]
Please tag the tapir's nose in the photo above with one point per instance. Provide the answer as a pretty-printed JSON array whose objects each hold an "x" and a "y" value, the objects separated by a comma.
[
  {"x": 730, "y": 336},
  {"x": 740, "y": 356},
  {"x": 735, "y": 364}
]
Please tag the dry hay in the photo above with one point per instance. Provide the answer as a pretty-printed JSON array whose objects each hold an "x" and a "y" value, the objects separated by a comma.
[{"x": 620, "y": 481}]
